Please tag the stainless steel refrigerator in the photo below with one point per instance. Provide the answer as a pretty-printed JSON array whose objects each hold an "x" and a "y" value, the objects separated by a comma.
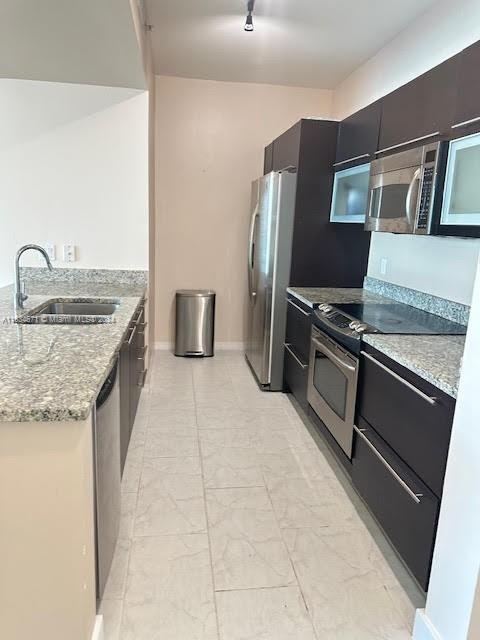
[{"x": 269, "y": 258}]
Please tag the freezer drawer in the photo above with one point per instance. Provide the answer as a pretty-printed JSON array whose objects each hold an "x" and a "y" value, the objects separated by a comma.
[{"x": 405, "y": 508}]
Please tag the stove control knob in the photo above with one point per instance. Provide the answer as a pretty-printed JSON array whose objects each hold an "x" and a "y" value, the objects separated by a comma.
[
  {"x": 360, "y": 328},
  {"x": 353, "y": 325}
]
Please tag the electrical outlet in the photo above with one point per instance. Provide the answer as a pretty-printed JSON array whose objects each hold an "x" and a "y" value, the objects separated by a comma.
[
  {"x": 51, "y": 250},
  {"x": 69, "y": 253},
  {"x": 383, "y": 266}
]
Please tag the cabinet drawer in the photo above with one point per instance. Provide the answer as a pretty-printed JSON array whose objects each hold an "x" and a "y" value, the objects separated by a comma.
[
  {"x": 405, "y": 508},
  {"x": 296, "y": 376},
  {"x": 411, "y": 415},
  {"x": 299, "y": 327}
]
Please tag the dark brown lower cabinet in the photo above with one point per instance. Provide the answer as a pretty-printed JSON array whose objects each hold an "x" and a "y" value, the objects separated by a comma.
[
  {"x": 296, "y": 376},
  {"x": 132, "y": 377},
  {"x": 403, "y": 505},
  {"x": 297, "y": 350}
]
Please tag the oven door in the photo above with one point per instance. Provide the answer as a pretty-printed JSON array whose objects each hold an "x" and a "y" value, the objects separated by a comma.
[
  {"x": 332, "y": 387},
  {"x": 394, "y": 201}
]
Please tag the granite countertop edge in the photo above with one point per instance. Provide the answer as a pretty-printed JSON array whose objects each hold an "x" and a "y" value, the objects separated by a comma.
[
  {"x": 412, "y": 352},
  {"x": 416, "y": 352},
  {"x": 78, "y": 403}
]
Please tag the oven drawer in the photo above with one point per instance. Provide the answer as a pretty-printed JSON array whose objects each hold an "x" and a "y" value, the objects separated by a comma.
[
  {"x": 296, "y": 375},
  {"x": 411, "y": 415},
  {"x": 405, "y": 508},
  {"x": 299, "y": 327}
]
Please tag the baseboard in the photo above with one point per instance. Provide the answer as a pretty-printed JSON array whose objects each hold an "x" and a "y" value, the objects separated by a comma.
[
  {"x": 229, "y": 346},
  {"x": 97, "y": 633},
  {"x": 423, "y": 628},
  {"x": 163, "y": 346},
  {"x": 219, "y": 346}
]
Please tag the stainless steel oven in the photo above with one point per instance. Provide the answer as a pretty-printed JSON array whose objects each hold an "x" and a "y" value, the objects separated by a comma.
[
  {"x": 403, "y": 189},
  {"x": 332, "y": 387}
]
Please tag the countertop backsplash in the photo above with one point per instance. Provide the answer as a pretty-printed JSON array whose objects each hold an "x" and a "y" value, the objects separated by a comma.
[
  {"x": 454, "y": 311},
  {"x": 134, "y": 277}
]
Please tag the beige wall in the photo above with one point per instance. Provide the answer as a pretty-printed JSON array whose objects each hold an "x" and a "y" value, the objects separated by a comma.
[{"x": 210, "y": 138}]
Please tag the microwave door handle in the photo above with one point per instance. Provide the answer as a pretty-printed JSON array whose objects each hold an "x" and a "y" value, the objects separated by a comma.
[
  {"x": 408, "y": 202},
  {"x": 329, "y": 354}
]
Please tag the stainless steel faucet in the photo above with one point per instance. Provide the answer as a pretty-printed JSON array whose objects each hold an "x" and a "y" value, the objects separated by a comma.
[{"x": 20, "y": 295}]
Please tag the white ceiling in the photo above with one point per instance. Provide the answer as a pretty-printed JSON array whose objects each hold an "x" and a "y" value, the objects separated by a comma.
[
  {"x": 309, "y": 43},
  {"x": 79, "y": 41}
]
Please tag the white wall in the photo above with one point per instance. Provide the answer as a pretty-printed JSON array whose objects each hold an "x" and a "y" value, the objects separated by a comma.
[
  {"x": 443, "y": 267},
  {"x": 456, "y": 559},
  {"x": 74, "y": 170}
]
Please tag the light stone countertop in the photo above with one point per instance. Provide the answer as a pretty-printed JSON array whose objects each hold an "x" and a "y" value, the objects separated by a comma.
[
  {"x": 436, "y": 359},
  {"x": 54, "y": 372},
  {"x": 313, "y": 296}
]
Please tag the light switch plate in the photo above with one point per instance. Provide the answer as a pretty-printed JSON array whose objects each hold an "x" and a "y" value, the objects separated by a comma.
[
  {"x": 69, "y": 253},
  {"x": 51, "y": 250}
]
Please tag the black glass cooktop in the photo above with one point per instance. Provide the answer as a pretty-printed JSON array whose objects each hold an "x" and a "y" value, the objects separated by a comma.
[{"x": 401, "y": 318}]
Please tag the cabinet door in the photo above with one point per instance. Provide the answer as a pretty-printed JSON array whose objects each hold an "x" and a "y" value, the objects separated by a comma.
[
  {"x": 268, "y": 159},
  {"x": 412, "y": 416},
  {"x": 299, "y": 328},
  {"x": 423, "y": 108},
  {"x": 286, "y": 149},
  {"x": 403, "y": 505},
  {"x": 358, "y": 136},
  {"x": 297, "y": 350},
  {"x": 296, "y": 376},
  {"x": 467, "y": 107}
]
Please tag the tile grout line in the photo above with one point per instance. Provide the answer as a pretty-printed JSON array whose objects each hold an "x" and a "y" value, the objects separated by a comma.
[
  {"x": 205, "y": 506},
  {"x": 132, "y": 535},
  {"x": 307, "y": 609}
]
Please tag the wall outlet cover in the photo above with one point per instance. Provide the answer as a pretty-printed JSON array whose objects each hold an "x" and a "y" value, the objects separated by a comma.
[{"x": 69, "y": 253}]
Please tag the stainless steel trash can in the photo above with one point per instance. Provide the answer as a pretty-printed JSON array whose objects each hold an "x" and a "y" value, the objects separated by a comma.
[{"x": 194, "y": 322}]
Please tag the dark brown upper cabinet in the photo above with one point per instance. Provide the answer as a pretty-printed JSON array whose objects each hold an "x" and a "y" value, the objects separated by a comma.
[
  {"x": 268, "y": 159},
  {"x": 286, "y": 148},
  {"x": 358, "y": 137},
  {"x": 467, "y": 109},
  {"x": 421, "y": 109}
]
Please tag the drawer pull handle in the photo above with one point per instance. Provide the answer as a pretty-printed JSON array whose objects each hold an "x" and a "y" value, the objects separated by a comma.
[
  {"x": 130, "y": 338},
  {"x": 297, "y": 307},
  {"x": 364, "y": 155},
  {"x": 291, "y": 352},
  {"x": 141, "y": 378},
  {"x": 403, "y": 144},
  {"x": 465, "y": 123},
  {"x": 415, "y": 496},
  {"x": 430, "y": 399}
]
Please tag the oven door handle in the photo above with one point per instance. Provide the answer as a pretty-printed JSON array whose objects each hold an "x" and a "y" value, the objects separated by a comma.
[
  {"x": 408, "y": 201},
  {"x": 329, "y": 354}
]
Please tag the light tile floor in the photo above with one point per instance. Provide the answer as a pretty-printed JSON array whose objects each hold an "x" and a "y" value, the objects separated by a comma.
[{"x": 237, "y": 523}]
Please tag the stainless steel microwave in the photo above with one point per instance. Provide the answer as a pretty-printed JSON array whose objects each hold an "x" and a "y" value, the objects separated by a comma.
[{"x": 403, "y": 189}]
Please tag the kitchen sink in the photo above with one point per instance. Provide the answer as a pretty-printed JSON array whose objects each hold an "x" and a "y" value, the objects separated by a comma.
[
  {"x": 82, "y": 311},
  {"x": 78, "y": 309}
]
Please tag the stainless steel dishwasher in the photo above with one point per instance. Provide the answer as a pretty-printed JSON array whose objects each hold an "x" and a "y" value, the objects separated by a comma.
[{"x": 106, "y": 425}]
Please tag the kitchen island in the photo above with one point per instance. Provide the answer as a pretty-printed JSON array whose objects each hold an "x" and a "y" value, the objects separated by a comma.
[{"x": 50, "y": 376}]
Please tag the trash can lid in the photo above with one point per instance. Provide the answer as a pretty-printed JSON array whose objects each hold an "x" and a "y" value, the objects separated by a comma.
[{"x": 200, "y": 293}]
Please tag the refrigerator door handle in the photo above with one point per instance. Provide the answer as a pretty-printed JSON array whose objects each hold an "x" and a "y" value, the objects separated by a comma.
[{"x": 251, "y": 292}]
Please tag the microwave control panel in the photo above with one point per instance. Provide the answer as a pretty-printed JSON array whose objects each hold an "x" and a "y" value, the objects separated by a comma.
[{"x": 426, "y": 198}]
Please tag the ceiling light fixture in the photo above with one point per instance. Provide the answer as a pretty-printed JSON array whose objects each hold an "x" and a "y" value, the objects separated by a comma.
[{"x": 249, "y": 20}]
